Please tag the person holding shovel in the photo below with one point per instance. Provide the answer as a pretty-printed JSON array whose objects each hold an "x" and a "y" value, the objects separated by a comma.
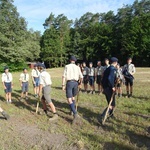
[
  {"x": 71, "y": 77},
  {"x": 108, "y": 83}
]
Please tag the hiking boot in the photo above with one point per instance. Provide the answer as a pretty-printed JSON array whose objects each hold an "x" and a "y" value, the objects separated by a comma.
[
  {"x": 93, "y": 92},
  {"x": 55, "y": 117},
  {"x": 90, "y": 92},
  {"x": 76, "y": 119},
  {"x": 26, "y": 98},
  {"x": 6, "y": 116},
  {"x": 71, "y": 113},
  {"x": 10, "y": 101}
]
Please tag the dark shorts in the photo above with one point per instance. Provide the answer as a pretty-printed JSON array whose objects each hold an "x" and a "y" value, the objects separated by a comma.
[
  {"x": 128, "y": 81},
  {"x": 46, "y": 93},
  {"x": 37, "y": 82},
  {"x": 71, "y": 89},
  {"x": 91, "y": 80},
  {"x": 99, "y": 79},
  {"x": 25, "y": 86},
  {"x": 8, "y": 88},
  {"x": 108, "y": 94},
  {"x": 85, "y": 79},
  {"x": 119, "y": 84}
]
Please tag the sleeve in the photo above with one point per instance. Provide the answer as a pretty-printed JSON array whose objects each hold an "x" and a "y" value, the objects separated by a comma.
[
  {"x": 80, "y": 73},
  {"x": 41, "y": 80},
  {"x": 11, "y": 78},
  {"x": 111, "y": 78},
  {"x": 133, "y": 69},
  {"x": 65, "y": 72},
  {"x": 3, "y": 78}
]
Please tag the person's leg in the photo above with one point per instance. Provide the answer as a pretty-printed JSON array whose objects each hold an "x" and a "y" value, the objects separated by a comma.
[{"x": 9, "y": 97}]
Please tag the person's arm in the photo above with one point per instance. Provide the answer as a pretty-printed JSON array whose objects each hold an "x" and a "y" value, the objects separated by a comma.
[
  {"x": 111, "y": 79},
  {"x": 133, "y": 70},
  {"x": 32, "y": 77},
  {"x": 64, "y": 78}
]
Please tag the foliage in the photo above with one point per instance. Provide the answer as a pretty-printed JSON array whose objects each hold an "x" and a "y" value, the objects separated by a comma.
[
  {"x": 17, "y": 44},
  {"x": 96, "y": 36}
]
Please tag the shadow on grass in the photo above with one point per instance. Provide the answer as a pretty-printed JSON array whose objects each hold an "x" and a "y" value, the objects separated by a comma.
[
  {"x": 141, "y": 97},
  {"x": 2, "y": 118},
  {"x": 87, "y": 114},
  {"x": 27, "y": 104},
  {"x": 57, "y": 88},
  {"x": 138, "y": 115},
  {"x": 139, "y": 140},
  {"x": 2, "y": 98},
  {"x": 116, "y": 146}
]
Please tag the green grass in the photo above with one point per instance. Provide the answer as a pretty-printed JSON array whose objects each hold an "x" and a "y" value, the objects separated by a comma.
[{"x": 26, "y": 130}]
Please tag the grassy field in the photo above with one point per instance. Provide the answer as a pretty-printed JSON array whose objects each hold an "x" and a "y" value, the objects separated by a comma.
[{"x": 28, "y": 131}]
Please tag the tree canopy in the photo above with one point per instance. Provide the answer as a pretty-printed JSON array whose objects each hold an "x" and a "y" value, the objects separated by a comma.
[
  {"x": 17, "y": 44},
  {"x": 97, "y": 36}
]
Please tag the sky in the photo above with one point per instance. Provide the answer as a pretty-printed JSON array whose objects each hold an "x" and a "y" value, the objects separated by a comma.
[{"x": 36, "y": 11}]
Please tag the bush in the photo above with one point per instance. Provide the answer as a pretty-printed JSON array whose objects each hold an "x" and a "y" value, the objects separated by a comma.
[{"x": 13, "y": 67}]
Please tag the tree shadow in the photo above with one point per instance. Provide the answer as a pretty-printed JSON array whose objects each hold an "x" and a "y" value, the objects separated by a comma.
[
  {"x": 141, "y": 97},
  {"x": 116, "y": 146},
  {"x": 2, "y": 98},
  {"x": 138, "y": 139},
  {"x": 56, "y": 87},
  {"x": 2, "y": 118},
  {"x": 87, "y": 114},
  {"x": 138, "y": 115}
]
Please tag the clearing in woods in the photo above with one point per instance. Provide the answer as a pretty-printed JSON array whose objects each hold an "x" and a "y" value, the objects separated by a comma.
[{"x": 28, "y": 131}]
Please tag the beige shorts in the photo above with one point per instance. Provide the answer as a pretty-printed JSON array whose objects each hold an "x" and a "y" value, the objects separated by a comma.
[{"x": 46, "y": 94}]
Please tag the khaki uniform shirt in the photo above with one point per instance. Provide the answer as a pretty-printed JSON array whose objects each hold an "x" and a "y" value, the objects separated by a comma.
[
  {"x": 7, "y": 77},
  {"x": 35, "y": 73},
  {"x": 45, "y": 78},
  {"x": 72, "y": 72},
  {"x": 24, "y": 77},
  {"x": 99, "y": 71},
  {"x": 130, "y": 68},
  {"x": 92, "y": 71}
]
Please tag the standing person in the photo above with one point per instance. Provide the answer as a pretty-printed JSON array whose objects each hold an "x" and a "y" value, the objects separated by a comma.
[
  {"x": 45, "y": 90},
  {"x": 91, "y": 78},
  {"x": 35, "y": 80},
  {"x": 128, "y": 72},
  {"x": 106, "y": 64},
  {"x": 6, "y": 116},
  {"x": 7, "y": 84},
  {"x": 85, "y": 76},
  {"x": 24, "y": 82},
  {"x": 71, "y": 76},
  {"x": 108, "y": 83},
  {"x": 99, "y": 73},
  {"x": 119, "y": 80}
]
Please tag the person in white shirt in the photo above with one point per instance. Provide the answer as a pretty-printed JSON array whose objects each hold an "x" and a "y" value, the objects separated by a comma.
[
  {"x": 128, "y": 72},
  {"x": 71, "y": 77},
  {"x": 92, "y": 78},
  {"x": 45, "y": 90},
  {"x": 99, "y": 73},
  {"x": 35, "y": 79},
  {"x": 7, "y": 84},
  {"x": 85, "y": 76},
  {"x": 24, "y": 82}
]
